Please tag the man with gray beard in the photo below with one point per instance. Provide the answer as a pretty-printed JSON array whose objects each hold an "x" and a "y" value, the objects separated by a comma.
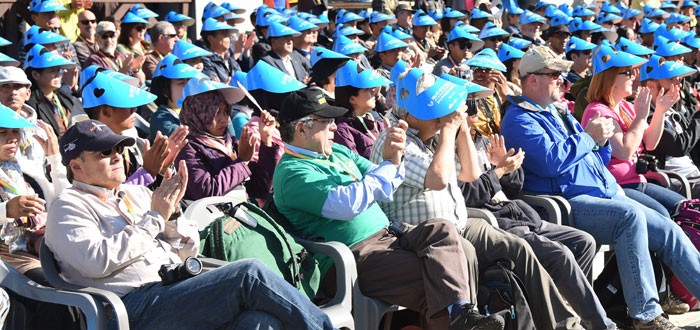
[{"x": 108, "y": 57}]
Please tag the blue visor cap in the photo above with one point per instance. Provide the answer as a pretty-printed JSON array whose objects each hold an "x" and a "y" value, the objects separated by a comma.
[
  {"x": 580, "y": 11},
  {"x": 674, "y": 34},
  {"x": 398, "y": 34},
  {"x": 89, "y": 72},
  {"x": 696, "y": 11},
  {"x": 320, "y": 54},
  {"x": 143, "y": 12},
  {"x": 466, "y": 27},
  {"x": 8, "y": 61},
  {"x": 513, "y": 9},
  {"x": 541, "y": 4},
  {"x": 132, "y": 18},
  {"x": 474, "y": 90},
  {"x": 276, "y": 30},
  {"x": 288, "y": 12},
  {"x": 647, "y": 8},
  {"x": 185, "y": 51},
  {"x": 268, "y": 78},
  {"x": 665, "y": 47},
  {"x": 45, "y": 6},
  {"x": 350, "y": 75},
  {"x": 551, "y": 11},
  {"x": 4, "y": 42},
  {"x": 608, "y": 18},
  {"x": 103, "y": 90},
  {"x": 300, "y": 24},
  {"x": 211, "y": 24},
  {"x": 486, "y": 58},
  {"x": 268, "y": 16},
  {"x": 629, "y": 46},
  {"x": 347, "y": 17},
  {"x": 657, "y": 68},
  {"x": 214, "y": 11},
  {"x": 455, "y": 14},
  {"x": 347, "y": 30},
  {"x": 478, "y": 13},
  {"x": 692, "y": 41},
  {"x": 381, "y": 17},
  {"x": 606, "y": 57},
  {"x": 345, "y": 46},
  {"x": 648, "y": 68},
  {"x": 459, "y": 33},
  {"x": 507, "y": 52},
  {"x": 566, "y": 9},
  {"x": 608, "y": 8},
  {"x": 648, "y": 26},
  {"x": 174, "y": 17},
  {"x": 529, "y": 17},
  {"x": 364, "y": 14},
  {"x": 577, "y": 24},
  {"x": 172, "y": 67},
  {"x": 324, "y": 19},
  {"x": 399, "y": 68},
  {"x": 233, "y": 8},
  {"x": 630, "y": 12},
  {"x": 387, "y": 42},
  {"x": 689, "y": 3},
  {"x": 656, "y": 12},
  {"x": 576, "y": 43},
  {"x": 677, "y": 19},
  {"x": 420, "y": 18},
  {"x": 560, "y": 19},
  {"x": 201, "y": 84},
  {"x": 11, "y": 119},
  {"x": 44, "y": 37},
  {"x": 519, "y": 43},
  {"x": 39, "y": 57},
  {"x": 668, "y": 5},
  {"x": 428, "y": 97},
  {"x": 490, "y": 30}
]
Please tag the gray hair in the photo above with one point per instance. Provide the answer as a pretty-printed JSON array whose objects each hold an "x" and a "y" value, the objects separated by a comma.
[
  {"x": 287, "y": 129},
  {"x": 158, "y": 30}
]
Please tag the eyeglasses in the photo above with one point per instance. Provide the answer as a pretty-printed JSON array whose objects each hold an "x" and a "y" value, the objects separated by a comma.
[
  {"x": 110, "y": 152},
  {"x": 553, "y": 75},
  {"x": 88, "y": 21},
  {"x": 628, "y": 73},
  {"x": 140, "y": 27},
  {"x": 496, "y": 39},
  {"x": 465, "y": 45},
  {"x": 108, "y": 35},
  {"x": 327, "y": 121},
  {"x": 170, "y": 36}
]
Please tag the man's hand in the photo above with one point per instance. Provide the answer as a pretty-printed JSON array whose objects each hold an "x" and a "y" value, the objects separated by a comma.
[
  {"x": 246, "y": 145},
  {"x": 154, "y": 156},
  {"x": 25, "y": 206},
  {"x": 501, "y": 87},
  {"x": 451, "y": 123},
  {"x": 395, "y": 143},
  {"x": 436, "y": 52},
  {"x": 50, "y": 145},
  {"x": 600, "y": 129},
  {"x": 267, "y": 127},
  {"x": 166, "y": 198},
  {"x": 512, "y": 162}
]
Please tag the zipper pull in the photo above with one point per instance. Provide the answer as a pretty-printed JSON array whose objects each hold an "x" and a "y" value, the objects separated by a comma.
[
  {"x": 512, "y": 312},
  {"x": 486, "y": 310}
]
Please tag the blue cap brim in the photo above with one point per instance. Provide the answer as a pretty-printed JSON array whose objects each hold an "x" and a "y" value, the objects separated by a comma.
[
  {"x": 475, "y": 90},
  {"x": 103, "y": 90},
  {"x": 11, "y": 119},
  {"x": 437, "y": 100},
  {"x": 266, "y": 77}
]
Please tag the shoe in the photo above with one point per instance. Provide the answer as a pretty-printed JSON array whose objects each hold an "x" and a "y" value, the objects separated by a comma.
[
  {"x": 473, "y": 320},
  {"x": 658, "y": 323},
  {"x": 673, "y": 305}
]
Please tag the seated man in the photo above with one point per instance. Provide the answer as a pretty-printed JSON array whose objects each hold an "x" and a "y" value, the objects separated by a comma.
[
  {"x": 109, "y": 57},
  {"x": 115, "y": 237},
  {"x": 431, "y": 189},
  {"x": 563, "y": 159},
  {"x": 327, "y": 191}
]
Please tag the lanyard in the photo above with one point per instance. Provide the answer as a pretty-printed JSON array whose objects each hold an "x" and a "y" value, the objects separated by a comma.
[
  {"x": 324, "y": 161},
  {"x": 219, "y": 146},
  {"x": 59, "y": 110},
  {"x": 419, "y": 44},
  {"x": 369, "y": 132},
  {"x": 116, "y": 67},
  {"x": 452, "y": 61},
  {"x": 160, "y": 56},
  {"x": 5, "y": 182}
]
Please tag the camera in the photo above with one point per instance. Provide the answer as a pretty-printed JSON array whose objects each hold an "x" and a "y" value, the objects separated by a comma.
[
  {"x": 172, "y": 273},
  {"x": 646, "y": 163}
]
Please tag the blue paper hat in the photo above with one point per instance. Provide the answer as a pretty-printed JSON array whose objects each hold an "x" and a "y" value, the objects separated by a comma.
[
  {"x": 513, "y": 9},
  {"x": 560, "y": 19},
  {"x": 89, "y": 72},
  {"x": 324, "y": 18},
  {"x": 11, "y": 119},
  {"x": 387, "y": 42},
  {"x": 289, "y": 12},
  {"x": 665, "y": 47},
  {"x": 345, "y": 46},
  {"x": 577, "y": 24},
  {"x": 185, "y": 50},
  {"x": 174, "y": 17},
  {"x": 566, "y": 9},
  {"x": 132, "y": 18},
  {"x": 44, "y": 37},
  {"x": 348, "y": 75},
  {"x": 648, "y": 26},
  {"x": 364, "y": 14},
  {"x": 647, "y": 68},
  {"x": 478, "y": 13},
  {"x": 265, "y": 17},
  {"x": 4, "y": 42},
  {"x": 8, "y": 61},
  {"x": 276, "y": 30},
  {"x": 172, "y": 67},
  {"x": 420, "y": 18},
  {"x": 466, "y": 27},
  {"x": 266, "y": 77},
  {"x": 428, "y": 97},
  {"x": 677, "y": 18},
  {"x": 608, "y": 18},
  {"x": 202, "y": 84},
  {"x": 474, "y": 90},
  {"x": 506, "y": 52},
  {"x": 214, "y": 11},
  {"x": 142, "y": 12},
  {"x": 436, "y": 15},
  {"x": 656, "y": 12},
  {"x": 45, "y": 6},
  {"x": 626, "y": 45},
  {"x": 39, "y": 57},
  {"x": 31, "y": 32},
  {"x": 647, "y": 8},
  {"x": 239, "y": 78},
  {"x": 381, "y": 17},
  {"x": 320, "y": 53},
  {"x": 399, "y": 68},
  {"x": 553, "y": 11},
  {"x": 490, "y": 30},
  {"x": 674, "y": 33},
  {"x": 576, "y": 43},
  {"x": 398, "y": 34},
  {"x": 606, "y": 57},
  {"x": 233, "y": 7},
  {"x": 486, "y": 58},
  {"x": 630, "y": 12},
  {"x": 347, "y": 30},
  {"x": 689, "y": 3},
  {"x": 519, "y": 43},
  {"x": 696, "y": 11},
  {"x": 235, "y": 18},
  {"x": 657, "y": 68},
  {"x": 529, "y": 17},
  {"x": 668, "y": 5},
  {"x": 540, "y": 4},
  {"x": 455, "y": 14},
  {"x": 580, "y": 11},
  {"x": 300, "y": 24},
  {"x": 606, "y": 42},
  {"x": 608, "y": 8},
  {"x": 211, "y": 24},
  {"x": 103, "y": 90},
  {"x": 347, "y": 17},
  {"x": 459, "y": 33},
  {"x": 692, "y": 41}
]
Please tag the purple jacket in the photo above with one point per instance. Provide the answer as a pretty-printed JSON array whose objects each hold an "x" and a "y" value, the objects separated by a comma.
[
  {"x": 213, "y": 173},
  {"x": 353, "y": 135}
]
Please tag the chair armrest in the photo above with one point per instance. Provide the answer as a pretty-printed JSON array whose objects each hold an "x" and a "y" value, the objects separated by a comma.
[
  {"x": 685, "y": 184},
  {"x": 548, "y": 204},
  {"x": 482, "y": 213},
  {"x": 567, "y": 219}
]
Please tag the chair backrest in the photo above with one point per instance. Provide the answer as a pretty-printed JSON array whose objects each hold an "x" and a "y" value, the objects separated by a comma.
[{"x": 50, "y": 268}]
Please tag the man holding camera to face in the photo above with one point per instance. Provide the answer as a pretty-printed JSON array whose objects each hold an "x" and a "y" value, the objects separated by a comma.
[{"x": 117, "y": 237}]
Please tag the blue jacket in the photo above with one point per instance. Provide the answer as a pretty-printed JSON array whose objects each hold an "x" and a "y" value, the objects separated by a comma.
[{"x": 556, "y": 162}]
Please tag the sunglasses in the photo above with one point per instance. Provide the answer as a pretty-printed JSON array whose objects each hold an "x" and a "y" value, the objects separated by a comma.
[
  {"x": 110, "y": 152},
  {"x": 170, "y": 36},
  {"x": 108, "y": 35},
  {"x": 88, "y": 21},
  {"x": 140, "y": 27},
  {"x": 496, "y": 39},
  {"x": 553, "y": 75},
  {"x": 482, "y": 70},
  {"x": 465, "y": 45},
  {"x": 628, "y": 73},
  {"x": 561, "y": 34}
]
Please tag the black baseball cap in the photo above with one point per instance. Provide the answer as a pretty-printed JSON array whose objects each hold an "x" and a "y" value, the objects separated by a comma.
[
  {"x": 89, "y": 135},
  {"x": 305, "y": 102}
]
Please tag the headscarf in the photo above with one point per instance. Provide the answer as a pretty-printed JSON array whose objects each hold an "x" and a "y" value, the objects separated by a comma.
[{"x": 198, "y": 112}]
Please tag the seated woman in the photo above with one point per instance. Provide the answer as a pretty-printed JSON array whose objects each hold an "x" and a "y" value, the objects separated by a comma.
[
  {"x": 216, "y": 163},
  {"x": 357, "y": 92},
  {"x": 613, "y": 76},
  {"x": 169, "y": 79},
  {"x": 510, "y": 56}
]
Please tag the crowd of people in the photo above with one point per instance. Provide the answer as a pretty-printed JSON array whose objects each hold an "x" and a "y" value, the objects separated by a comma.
[{"x": 377, "y": 129}]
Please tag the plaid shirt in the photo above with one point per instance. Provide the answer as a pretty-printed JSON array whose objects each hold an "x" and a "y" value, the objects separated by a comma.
[{"x": 413, "y": 203}]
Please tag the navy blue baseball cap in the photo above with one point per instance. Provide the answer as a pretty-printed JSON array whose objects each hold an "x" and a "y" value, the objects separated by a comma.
[{"x": 89, "y": 135}]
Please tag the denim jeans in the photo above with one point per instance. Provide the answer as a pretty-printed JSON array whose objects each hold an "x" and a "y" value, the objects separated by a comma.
[
  {"x": 655, "y": 197},
  {"x": 634, "y": 230},
  {"x": 243, "y": 294}
]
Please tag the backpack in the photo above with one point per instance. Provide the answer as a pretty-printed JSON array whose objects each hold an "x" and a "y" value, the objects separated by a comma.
[
  {"x": 687, "y": 216},
  {"x": 246, "y": 231},
  {"x": 502, "y": 292}
]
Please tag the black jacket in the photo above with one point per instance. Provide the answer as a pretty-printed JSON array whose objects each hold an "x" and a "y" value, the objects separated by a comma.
[
  {"x": 215, "y": 67},
  {"x": 44, "y": 107},
  {"x": 301, "y": 65}
]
